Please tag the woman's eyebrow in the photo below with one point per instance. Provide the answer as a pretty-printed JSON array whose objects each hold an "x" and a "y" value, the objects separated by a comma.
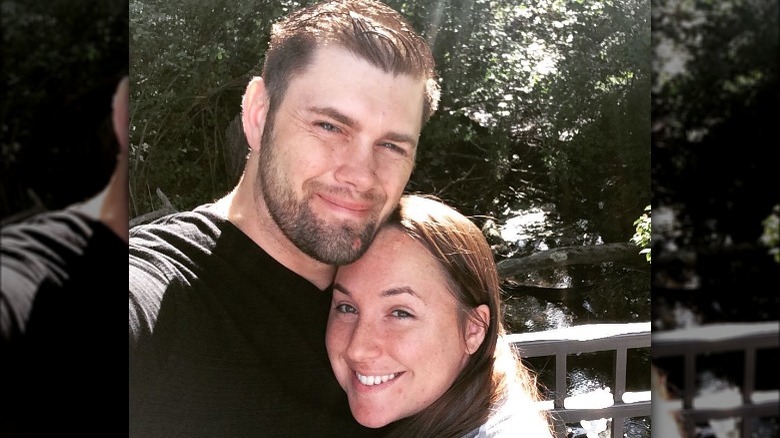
[
  {"x": 401, "y": 290},
  {"x": 393, "y": 291},
  {"x": 339, "y": 287}
]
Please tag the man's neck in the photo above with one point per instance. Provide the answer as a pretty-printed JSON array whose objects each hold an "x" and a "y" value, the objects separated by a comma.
[{"x": 241, "y": 208}]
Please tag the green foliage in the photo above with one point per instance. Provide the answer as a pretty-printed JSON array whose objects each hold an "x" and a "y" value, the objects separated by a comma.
[
  {"x": 771, "y": 234},
  {"x": 642, "y": 234},
  {"x": 191, "y": 60},
  {"x": 716, "y": 70},
  {"x": 543, "y": 103},
  {"x": 56, "y": 57}
]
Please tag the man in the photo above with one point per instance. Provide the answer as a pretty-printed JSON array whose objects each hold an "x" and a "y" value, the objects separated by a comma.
[
  {"x": 228, "y": 302},
  {"x": 60, "y": 272}
]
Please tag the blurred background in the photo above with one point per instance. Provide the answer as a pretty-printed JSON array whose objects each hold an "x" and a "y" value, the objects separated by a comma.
[
  {"x": 715, "y": 202},
  {"x": 60, "y": 62}
]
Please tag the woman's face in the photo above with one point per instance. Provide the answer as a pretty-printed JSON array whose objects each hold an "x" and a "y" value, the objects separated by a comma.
[{"x": 394, "y": 338}]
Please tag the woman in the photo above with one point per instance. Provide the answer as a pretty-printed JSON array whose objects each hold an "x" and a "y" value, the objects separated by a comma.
[{"x": 415, "y": 333}]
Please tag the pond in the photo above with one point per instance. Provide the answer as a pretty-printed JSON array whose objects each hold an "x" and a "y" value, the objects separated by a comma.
[
  {"x": 614, "y": 292},
  {"x": 721, "y": 373}
]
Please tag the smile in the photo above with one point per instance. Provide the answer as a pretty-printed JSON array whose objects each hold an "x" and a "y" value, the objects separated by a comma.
[
  {"x": 345, "y": 204},
  {"x": 375, "y": 380}
]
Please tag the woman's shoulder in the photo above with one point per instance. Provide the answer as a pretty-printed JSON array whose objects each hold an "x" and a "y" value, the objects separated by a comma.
[{"x": 515, "y": 416}]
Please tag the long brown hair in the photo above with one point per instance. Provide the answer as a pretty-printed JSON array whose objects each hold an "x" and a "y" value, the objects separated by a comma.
[{"x": 468, "y": 263}]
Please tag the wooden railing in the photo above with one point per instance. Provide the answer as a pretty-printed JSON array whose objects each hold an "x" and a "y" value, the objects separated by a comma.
[
  {"x": 590, "y": 338},
  {"x": 746, "y": 404}
]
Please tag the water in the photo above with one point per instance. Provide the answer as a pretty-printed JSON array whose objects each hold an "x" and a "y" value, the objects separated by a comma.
[
  {"x": 577, "y": 295},
  {"x": 719, "y": 376}
]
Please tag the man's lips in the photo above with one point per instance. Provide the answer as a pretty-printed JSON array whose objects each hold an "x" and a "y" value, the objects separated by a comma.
[{"x": 345, "y": 204}]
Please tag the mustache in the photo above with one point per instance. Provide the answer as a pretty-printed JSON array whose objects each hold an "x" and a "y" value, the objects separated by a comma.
[{"x": 343, "y": 192}]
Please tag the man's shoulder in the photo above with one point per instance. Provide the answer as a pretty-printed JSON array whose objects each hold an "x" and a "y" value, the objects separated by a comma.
[
  {"x": 176, "y": 239},
  {"x": 168, "y": 250},
  {"x": 203, "y": 212},
  {"x": 200, "y": 222},
  {"x": 66, "y": 224}
]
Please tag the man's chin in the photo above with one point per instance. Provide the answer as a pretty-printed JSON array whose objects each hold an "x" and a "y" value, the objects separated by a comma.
[{"x": 331, "y": 249}]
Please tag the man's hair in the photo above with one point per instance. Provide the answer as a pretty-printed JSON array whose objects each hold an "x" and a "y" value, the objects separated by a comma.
[{"x": 369, "y": 29}]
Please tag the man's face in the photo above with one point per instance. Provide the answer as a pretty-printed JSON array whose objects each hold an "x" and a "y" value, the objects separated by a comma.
[{"x": 341, "y": 150}]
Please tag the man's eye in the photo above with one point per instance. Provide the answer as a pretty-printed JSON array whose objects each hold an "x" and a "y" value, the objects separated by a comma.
[
  {"x": 327, "y": 126},
  {"x": 345, "y": 308},
  {"x": 395, "y": 148}
]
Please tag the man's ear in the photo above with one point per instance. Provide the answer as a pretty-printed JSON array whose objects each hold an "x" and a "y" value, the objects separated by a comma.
[
  {"x": 254, "y": 108},
  {"x": 120, "y": 118},
  {"x": 476, "y": 327}
]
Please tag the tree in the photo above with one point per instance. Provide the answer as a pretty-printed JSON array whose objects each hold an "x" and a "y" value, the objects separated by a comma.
[
  {"x": 544, "y": 103},
  {"x": 61, "y": 64},
  {"x": 714, "y": 96}
]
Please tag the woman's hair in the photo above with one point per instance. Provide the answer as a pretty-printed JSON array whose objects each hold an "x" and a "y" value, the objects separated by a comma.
[
  {"x": 665, "y": 420},
  {"x": 369, "y": 29},
  {"x": 468, "y": 264}
]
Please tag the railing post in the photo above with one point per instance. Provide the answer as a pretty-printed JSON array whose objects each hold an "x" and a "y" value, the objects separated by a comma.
[
  {"x": 560, "y": 428},
  {"x": 560, "y": 379},
  {"x": 748, "y": 383},
  {"x": 689, "y": 389},
  {"x": 560, "y": 390},
  {"x": 715, "y": 339},
  {"x": 621, "y": 365},
  {"x": 689, "y": 380}
]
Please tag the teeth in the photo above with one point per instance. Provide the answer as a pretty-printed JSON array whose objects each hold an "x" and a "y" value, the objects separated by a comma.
[{"x": 374, "y": 380}]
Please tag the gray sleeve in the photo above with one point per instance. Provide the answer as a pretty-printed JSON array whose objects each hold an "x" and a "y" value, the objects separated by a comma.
[
  {"x": 147, "y": 283},
  {"x": 44, "y": 249}
]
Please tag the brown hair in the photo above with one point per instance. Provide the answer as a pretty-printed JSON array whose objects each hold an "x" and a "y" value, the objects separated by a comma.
[
  {"x": 369, "y": 29},
  {"x": 468, "y": 263},
  {"x": 668, "y": 421}
]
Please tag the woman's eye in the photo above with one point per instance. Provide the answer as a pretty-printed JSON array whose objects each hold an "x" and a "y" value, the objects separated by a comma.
[
  {"x": 345, "y": 308},
  {"x": 401, "y": 314}
]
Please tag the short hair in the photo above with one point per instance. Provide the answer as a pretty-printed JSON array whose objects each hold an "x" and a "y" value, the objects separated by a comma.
[{"x": 369, "y": 29}]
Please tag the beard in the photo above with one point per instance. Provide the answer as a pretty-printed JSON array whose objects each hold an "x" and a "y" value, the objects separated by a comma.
[{"x": 333, "y": 244}]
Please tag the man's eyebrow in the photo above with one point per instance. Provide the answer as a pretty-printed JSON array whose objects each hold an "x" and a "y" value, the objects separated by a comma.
[
  {"x": 401, "y": 138},
  {"x": 352, "y": 123},
  {"x": 387, "y": 293},
  {"x": 335, "y": 114}
]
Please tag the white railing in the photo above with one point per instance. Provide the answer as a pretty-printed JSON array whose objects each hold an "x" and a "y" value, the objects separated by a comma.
[
  {"x": 733, "y": 405},
  {"x": 590, "y": 338}
]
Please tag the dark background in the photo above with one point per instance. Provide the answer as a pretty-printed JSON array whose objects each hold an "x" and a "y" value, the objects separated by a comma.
[
  {"x": 60, "y": 64},
  {"x": 714, "y": 141}
]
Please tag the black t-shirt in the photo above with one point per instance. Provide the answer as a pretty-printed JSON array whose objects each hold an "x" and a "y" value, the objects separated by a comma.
[
  {"x": 61, "y": 306},
  {"x": 224, "y": 340}
]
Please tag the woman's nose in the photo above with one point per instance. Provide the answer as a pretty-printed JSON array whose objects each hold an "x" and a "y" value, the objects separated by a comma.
[{"x": 365, "y": 342}]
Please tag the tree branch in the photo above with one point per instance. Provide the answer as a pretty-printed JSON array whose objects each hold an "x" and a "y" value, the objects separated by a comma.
[{"x": 568, "y": 255}]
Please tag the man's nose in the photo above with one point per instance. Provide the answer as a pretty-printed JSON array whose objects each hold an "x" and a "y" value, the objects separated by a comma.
[{"x": 357, "y": 166}]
